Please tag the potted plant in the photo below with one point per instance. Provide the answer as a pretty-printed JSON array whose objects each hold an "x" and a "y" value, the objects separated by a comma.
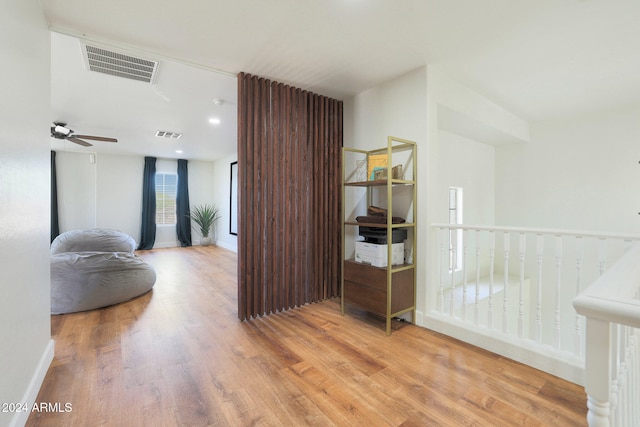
[{"x": 205, "y": 216}]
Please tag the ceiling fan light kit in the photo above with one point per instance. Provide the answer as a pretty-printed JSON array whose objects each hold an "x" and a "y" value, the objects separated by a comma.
[{"x": 60, "y": 130}]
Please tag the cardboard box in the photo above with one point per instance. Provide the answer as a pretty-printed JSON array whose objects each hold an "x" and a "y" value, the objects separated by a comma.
[{"x": 376, "y": 255}]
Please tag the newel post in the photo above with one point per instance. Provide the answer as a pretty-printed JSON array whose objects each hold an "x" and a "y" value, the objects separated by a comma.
[{"x": 598, "y": 371}]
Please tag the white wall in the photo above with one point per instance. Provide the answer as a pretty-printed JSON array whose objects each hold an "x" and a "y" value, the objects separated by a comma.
[
  {"x": 222, "y": 179},
  {"x": 118, "y": 193},
  {"x": 464, "y": 131},
  {"x": 457, "y": 131},
  {"x": 76, "y": 179},
  {"x": 397, "y": 108},
  {"x": 108, "y": 192},
  {"x": 203, "y": 188},
  {"x": 470, "y": 165},
  {"x": 26, "y": 349},
  {"x": 580, "y": 174}
]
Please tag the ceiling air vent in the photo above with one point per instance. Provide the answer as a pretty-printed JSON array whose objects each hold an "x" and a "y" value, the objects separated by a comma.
[
  {"x": 168, "y": 135},
  {"x": 118, "y": 64}
]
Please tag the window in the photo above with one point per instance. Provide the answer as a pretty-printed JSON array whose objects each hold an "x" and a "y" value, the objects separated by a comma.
[
  {"x": 166, "y": 190},
  {"x": 455, "y": 236}
]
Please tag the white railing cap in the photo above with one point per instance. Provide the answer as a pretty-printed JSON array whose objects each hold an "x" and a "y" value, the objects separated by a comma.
[
  {"x": 614, "y": 296},
  {"x": 533, "y": 230}
]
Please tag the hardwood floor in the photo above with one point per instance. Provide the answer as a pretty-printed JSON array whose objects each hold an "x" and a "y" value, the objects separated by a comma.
[{"x": 178, "y": 356}]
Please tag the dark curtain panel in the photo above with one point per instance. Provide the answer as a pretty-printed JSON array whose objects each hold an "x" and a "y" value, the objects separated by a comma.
[
  {"x": 148, "y": 227},
  {"x": 183, "y": 220},
  {"x": 55, "y": 228},
  {"x": 289, "y": 147}
]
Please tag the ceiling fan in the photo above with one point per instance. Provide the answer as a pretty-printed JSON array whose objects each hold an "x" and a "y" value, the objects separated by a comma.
[{"x": 61, "y": 131}]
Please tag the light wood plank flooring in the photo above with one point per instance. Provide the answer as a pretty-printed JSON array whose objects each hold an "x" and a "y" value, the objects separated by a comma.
[{"x": 178, "y": 356}]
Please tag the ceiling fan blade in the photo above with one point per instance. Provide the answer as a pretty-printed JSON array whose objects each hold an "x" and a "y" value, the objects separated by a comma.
[
  {"x": 96, "y": 138},
  {"x": 78, "y": 141}
]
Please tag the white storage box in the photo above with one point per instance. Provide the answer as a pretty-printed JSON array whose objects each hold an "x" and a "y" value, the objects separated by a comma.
[{"x": 376, "y": 255}]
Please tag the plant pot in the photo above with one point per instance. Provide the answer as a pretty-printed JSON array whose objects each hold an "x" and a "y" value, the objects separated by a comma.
[{"x": 206, "y": 241}]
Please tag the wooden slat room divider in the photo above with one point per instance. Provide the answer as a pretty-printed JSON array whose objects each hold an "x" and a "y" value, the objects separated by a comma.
[{"x": 289, "y": 145}]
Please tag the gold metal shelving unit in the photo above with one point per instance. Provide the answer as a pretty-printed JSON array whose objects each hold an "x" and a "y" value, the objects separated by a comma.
[{"x": 386, "y": 291}]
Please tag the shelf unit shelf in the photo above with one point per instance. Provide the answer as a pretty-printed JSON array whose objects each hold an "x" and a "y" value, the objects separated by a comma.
[
  {"x": 385, "y": 291},
  {"x": 379, "y": 225}
]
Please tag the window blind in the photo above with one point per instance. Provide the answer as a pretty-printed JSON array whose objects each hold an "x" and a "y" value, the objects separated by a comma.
[{"x": 166, "y": 190}]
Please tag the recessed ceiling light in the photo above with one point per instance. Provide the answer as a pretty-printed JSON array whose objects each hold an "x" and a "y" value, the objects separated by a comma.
[
  {"x": 179, "y": 151},
  {"x": 214, "y": 121}
]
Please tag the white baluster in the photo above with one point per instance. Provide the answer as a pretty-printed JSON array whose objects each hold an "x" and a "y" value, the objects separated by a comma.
[
  {"x": 476, "y": 304},
  {"x": 602, "y": 256},
  {"x": 539, "y": 254},
  {"x": 492, "y": 256},
  {"x": 577, "y": 339},
  {"x": 633, "y": 373},
  {"x": 623, "y": 392},
  {"x": 505, "y": 314},
  {"x": 522, "y": 249},
  {"x": 556, "y": 321},
  {"x": 614, "y": 393},
  {"x": 453, "y": 245},
  {"x": 441, "y": 272},
  {"x": 597, "y": 364},
  {"x": 464, "y": 275}
]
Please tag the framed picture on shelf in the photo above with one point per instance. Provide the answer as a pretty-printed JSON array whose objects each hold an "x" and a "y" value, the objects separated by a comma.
[{"x": 376, "y": 162}]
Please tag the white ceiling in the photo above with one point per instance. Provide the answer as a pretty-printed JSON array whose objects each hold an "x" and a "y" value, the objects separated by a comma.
[{"x": 543, "y": 59}]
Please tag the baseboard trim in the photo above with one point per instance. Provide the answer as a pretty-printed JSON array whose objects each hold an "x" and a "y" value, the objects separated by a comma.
[
  {"x": 225, "y": 245},
  {"x": 546, "y": 359},
  {"x": 31, "y": 394}
]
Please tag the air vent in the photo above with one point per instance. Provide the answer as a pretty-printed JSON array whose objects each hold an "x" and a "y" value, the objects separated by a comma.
[
  {"x": 118, "y": 64},
  {"x": 168, "y": 135}
]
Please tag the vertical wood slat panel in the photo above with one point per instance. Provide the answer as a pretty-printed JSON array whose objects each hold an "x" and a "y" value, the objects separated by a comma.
[
  {"x": 310, "y": 219},
  {"x": 313, "y": 235},
  {"x": 325, "y": 146},
  {"x": 317, "y": 200},
  {"x": 289, "y": 144},
  {"x": 260, "y": 118},
  {"x": 256, "y": 224},
  {"x": 290, "y": 197},
  {"x": 296, "y": 193},
  {"x": 273, "y": 240},
  {"x": 282, "y": 200},
  {"x": 333, "y": 226},
  {"x": 305, "y": 178},
  {"x": 295, "y": 190},
  {"x": 337, "y": 182},
  {"x": 287, "y": 201},
  {"x": 243, "y": 308}
]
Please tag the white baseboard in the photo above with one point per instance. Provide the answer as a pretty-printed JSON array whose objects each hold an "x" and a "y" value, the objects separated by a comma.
[
  {"x": 162, "y": 245},
  {"x": 232, "y": 248},
  {"x": 545, "y": 359},
  {"x": 31, "y": 394}
]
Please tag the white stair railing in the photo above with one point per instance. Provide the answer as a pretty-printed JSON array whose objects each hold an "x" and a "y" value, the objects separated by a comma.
[
  {"x": 517, "y": 284},
  {"x": 612, "y": 371}
]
